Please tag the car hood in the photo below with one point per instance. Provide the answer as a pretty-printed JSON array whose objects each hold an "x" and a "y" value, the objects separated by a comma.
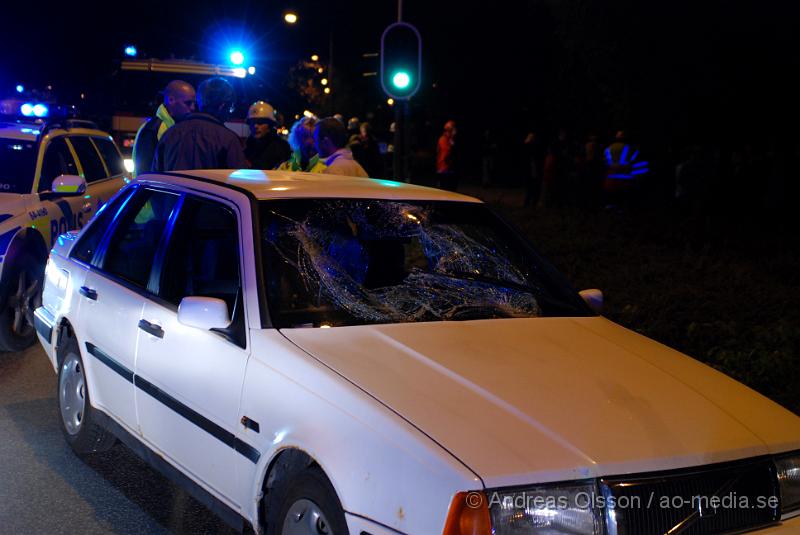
[
  {"x": 548, "y": 399},
  {"x": 11, "y": 204}
]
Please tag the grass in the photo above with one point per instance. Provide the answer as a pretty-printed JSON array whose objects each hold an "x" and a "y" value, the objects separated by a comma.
[{"x": 723, "y": 293}]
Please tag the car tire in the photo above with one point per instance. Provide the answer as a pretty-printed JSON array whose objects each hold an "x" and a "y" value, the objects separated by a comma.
[
  {"x": 306, "y": 504},
  {"x": 21, "y": 295},
  {"x": 76, "y": 414}
]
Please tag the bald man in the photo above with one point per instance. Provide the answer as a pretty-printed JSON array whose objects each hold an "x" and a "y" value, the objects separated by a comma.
[{"x": 179, "y": 101}]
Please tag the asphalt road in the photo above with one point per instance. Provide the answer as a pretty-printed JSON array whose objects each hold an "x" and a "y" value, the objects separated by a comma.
[{"x": 46, "y": 489}]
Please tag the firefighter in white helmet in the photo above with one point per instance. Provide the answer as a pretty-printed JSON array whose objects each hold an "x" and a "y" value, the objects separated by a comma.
[{"x": 264, "y": 149}]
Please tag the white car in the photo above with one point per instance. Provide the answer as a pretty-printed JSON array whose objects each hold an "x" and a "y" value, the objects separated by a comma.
[
  {"x": 318, "y": 354},
  {"x": 37, "y": 204}
]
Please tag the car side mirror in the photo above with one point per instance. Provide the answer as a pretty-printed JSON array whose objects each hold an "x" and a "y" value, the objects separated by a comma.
[
  {"x": 593, "y": 298},
  {"x": 204, "y": 313},
  {"x": 69, "y": 185}
]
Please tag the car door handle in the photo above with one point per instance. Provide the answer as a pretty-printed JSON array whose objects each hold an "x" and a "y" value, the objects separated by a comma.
[
  {"x": 88, "y": 293},
  {"x": 151, "y": 328}
]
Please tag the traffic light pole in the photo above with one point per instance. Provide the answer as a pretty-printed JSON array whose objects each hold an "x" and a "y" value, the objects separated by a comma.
[
  {"x": 400, "y": 74},
  {"x": 400, "y": 158},
  {"x": 406, "y": 105}
]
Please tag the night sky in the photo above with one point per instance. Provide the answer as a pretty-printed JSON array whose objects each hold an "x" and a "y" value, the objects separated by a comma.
[{"x": 664, "y": 70}]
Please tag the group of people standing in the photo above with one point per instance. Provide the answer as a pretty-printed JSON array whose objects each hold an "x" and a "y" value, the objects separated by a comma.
[
  {"x": 188, "y": 132},
  {"x": 588, "y": 174}
]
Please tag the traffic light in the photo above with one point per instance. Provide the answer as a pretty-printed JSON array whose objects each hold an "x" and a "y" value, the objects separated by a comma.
[{"x": 401, "y": 60}]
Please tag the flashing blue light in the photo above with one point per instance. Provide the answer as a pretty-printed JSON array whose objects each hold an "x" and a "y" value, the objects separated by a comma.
[
  {"x": 40, "y": 110},
  {"x": 131, "y": 51},
  {"x": 237, "y": 58},
  {"x": 401, "y": 80},
  {"x": 639, "y": 164},
  {"x": 20, "y": 88},
  {"x": 26, "y": 109},
  {"x": 639, "y": 171}
]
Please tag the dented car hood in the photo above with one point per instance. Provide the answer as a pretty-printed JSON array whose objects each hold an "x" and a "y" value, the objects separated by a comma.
[{"x": 548, "y": 399}]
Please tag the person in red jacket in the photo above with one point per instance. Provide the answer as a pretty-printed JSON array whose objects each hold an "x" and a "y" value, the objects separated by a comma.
[{"x": 445, "y": 158}]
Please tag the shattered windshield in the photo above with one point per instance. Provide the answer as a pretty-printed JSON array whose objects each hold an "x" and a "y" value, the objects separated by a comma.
[{"x": 332, "y": 262}]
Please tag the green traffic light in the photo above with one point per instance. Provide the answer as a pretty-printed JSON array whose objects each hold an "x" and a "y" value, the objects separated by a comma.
[{"x": 401, "y": 80}]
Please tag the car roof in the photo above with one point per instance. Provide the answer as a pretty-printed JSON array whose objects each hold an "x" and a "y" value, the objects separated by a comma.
[
  {"x": 21, "y": 131},
  {"x": 290, "y": 185},
  {"x": 30, "y": 131}
]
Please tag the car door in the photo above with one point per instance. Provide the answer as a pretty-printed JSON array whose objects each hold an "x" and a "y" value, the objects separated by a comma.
[
  {"x": 189, "y": 380},
  {"x": 103, "y": 179},
  {"x": 113, "y": 295},
  {"x": 56, "y": 216},
  {"x": 103, "y": 189}
]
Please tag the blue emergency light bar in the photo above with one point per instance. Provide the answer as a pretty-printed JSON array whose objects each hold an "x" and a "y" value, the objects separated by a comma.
[{"x": 34, "y": 110}]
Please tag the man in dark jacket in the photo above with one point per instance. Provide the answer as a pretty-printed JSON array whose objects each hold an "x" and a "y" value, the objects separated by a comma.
[
  {"x": 201, "y": 140},
  {"x": 179, "y": 100}
]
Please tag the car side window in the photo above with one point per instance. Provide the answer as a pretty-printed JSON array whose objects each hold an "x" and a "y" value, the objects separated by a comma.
[
  {"x": 203, "y": 254},
  {"x": 90, "y": 238},
  {"x": 110, "y": 155},
  {"x": 90, "y": 160},
  {"x": 135, "y": 239},
  {"x": 202, "y": 259},
  {"x": 57, "y": 161}
]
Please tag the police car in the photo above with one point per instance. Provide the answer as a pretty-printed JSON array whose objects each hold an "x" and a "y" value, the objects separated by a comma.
[
  {"x": 315, "y": 354},
  {"x": 53, "y": 178}
]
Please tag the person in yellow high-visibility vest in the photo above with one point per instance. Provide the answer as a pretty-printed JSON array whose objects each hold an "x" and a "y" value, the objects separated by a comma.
[
  {"x": 179, "y": 100},
  {"x": 304, "y": 154},
  {"x": 623, "y": 168}
]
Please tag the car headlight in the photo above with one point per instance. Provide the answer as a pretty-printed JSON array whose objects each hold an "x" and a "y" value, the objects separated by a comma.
[
  {"x": 545, "y": 510},
  {"x": 789, "y": 482}
]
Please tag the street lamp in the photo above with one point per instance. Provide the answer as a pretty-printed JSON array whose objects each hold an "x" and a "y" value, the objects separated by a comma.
[
  {"x": 327, "y": 90},
  {"x": 290, "y": 18},
  {"x": 314, "y": 57},
  {"x": 324, "y": 81}
]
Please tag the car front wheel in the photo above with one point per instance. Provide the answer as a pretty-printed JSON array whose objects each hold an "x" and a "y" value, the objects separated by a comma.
[
  {"x": 306, "y": 505},
  {"x": 78, "y": 424},
  {"x": 23, "y": 294}
]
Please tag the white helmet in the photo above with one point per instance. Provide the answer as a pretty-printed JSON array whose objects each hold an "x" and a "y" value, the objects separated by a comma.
[
  {"x": 262, "y": 110},
  {"x": 353, "y": 123}
]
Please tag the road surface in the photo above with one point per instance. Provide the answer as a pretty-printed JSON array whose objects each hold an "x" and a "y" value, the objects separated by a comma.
[{"x": 46, "y": 489}]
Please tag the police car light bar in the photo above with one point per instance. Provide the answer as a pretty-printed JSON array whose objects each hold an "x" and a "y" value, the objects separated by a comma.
[{"x": 34, "y": 110}]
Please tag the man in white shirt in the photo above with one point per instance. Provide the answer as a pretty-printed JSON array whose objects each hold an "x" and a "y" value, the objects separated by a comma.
[{"x": 330, "y": 137}]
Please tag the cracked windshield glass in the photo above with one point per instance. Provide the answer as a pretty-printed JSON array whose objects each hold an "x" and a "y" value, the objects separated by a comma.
[{"x": 348, "y": 262}]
